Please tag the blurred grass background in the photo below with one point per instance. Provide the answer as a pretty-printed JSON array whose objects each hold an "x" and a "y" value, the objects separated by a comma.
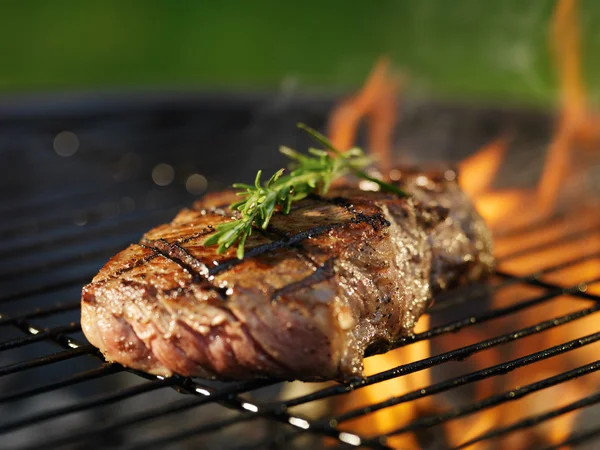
[{"x": 493, "y": 50}]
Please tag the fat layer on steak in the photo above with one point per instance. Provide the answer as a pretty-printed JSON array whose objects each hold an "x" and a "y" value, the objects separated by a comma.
[{"x": 337, "y": 276}]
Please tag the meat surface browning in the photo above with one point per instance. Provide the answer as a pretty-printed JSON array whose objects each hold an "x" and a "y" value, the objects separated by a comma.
[{"x": 339, "y": 275}]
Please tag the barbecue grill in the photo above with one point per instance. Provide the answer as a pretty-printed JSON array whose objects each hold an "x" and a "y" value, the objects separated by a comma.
[{"x": 85, "y": 175}]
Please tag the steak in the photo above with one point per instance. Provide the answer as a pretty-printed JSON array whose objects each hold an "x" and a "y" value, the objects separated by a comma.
[{"x": 340, "y": 275}]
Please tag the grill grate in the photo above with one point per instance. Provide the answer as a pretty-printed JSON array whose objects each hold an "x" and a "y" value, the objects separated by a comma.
[{"x": 55, "y": 240}]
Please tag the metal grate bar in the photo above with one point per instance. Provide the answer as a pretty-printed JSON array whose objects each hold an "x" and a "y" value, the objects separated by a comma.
[
  {"x": 39, "y": 312},
  {"x": 534, "y": 420},
  {"x": 74, "y": 235},
  {"x": 67, "y": 260},
  {"x": 499, "y": 369},
  {"x": 105, "y": 370},
  {"x": 495, "y": 313},
  {"x": 185, "y": 383},
  {"x": 13, "y": 208},
  {"x": 565, "y": 238},
  {"x": 580, "y": 291},
  {"x": 498, "y": 399},
  {"x": 326, "y": 428},
  {"x": 452, "y": 355},
  {"x": 513, "y": 333},
  {"x": 45, "y": 288},
  {"x": 46, "y": 360},
  {"x": 211, "y": 427},
  {"x": 448, "y": 300},
  {"x": 41, "y": 336},
  {"x": 57, "y": 217},
  {"x": 155, "y": 413},
  {"x": 93, "y": 403},
  {"x": 577, "y": 439}
]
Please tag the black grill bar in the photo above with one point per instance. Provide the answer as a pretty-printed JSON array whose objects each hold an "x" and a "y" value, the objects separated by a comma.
[
  {"x": 102, "y": 371},
  {"x": 221, "y": 424},
  {"x": 278, "y": 412},
  {"x": 580, "y": 291},
  {"x": 37, "y": 313},
  {"x": 534, "y": 420},
  {"x": 68, "y": 260},
  {"x": 575, "y": 440},
  {"x": 486, "y": 317},
  {"x": 73, "y": 235},
  {"x": 496, "y": 370},
  {"x": 56, "y": 218},
  {"x": 453, "y": 355},
  {"x": 45, "y": 288},
  {"x": 565, "y": 238},
  {"x": 41, "y": 336},
  {"x": 379, "y": 378},
  {"x": 329, "y": 430},
  {"x": 329, "y": 427},
  {"x": 32, "y": 207},
  {"x": 446, "y": 301},
  {"x": 495, "y": 400},
  {"x": 88, "y": 404},
  {"x": 410, "y": 368},
  {"x": 46, "y": 360},
  {"x": 189, "y": 433},
  {"x": 156, "y": 413}
]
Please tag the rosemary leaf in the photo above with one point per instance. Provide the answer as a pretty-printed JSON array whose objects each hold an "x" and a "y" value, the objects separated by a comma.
[{"x": 315, "y": 171}]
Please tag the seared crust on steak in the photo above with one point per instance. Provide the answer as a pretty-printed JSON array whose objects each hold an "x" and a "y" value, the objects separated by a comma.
[{"x": 339, "y": 274}]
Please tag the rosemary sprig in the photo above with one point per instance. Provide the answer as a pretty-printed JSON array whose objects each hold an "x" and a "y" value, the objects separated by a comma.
[{"x": 309, "y": 173}]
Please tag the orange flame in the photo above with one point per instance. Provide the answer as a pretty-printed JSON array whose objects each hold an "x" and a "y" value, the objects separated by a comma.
[
  {"x": 378, "y": 102},
  {"x": 477, "y": 172},
  {"x": 578, "y": 128}
]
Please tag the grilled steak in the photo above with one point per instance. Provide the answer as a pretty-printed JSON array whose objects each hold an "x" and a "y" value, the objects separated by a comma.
[{"x": 340, "y": 275}]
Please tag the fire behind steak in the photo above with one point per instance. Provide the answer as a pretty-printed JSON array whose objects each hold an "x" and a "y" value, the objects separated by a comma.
[{"x": 339, "y": 275}]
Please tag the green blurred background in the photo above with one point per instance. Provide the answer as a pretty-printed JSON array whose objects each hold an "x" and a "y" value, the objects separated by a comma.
[{"x": 491, "y": 50}]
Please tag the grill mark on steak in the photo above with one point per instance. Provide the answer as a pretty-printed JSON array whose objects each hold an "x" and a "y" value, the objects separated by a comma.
[
  {"x": 323, "y": 272},
  {"x": 178, "y": 255},
  {"x": 135, "y": 265},
  {"x": 206, "y": 231},
  {"x": 274, "y": 234},
  {"x": 287, "y": 243},
  {"x": 349, "y": 205},
  {"x": 377, "y": 221}
]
